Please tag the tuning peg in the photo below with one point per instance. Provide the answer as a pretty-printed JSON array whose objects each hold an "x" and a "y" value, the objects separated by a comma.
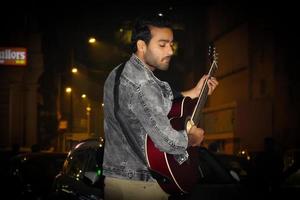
[{"x": 209, "y": 50}]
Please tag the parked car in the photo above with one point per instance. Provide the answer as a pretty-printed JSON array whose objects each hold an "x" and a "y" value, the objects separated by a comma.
[
  {"x": 224, "y": 176},
  {"x": 290, "y": 186},
  {"x": 81, "y": 176},
  {"x": 31, "y": 175},
  {"x": 239, "y": 167}
]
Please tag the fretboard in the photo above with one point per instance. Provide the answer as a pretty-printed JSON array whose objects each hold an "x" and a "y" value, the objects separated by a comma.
[{"x": 203, "y": 96}]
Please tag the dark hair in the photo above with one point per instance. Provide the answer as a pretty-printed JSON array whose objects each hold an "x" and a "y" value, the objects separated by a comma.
[{"x": 141, "y": 29}]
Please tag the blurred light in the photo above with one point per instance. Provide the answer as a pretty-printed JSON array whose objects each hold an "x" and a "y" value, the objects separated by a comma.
[
  {"x": 121, "y": 30},
  {"x": 68, "y": 90},
  {"x": 92, "y": 40},
  {"x": 78, "y": 145},
  {"x": 175, "y": 48},
  {"x": 102, "y": 104},
  {"x": 99, "y": 172},
  {"x": 88, "y": 109},
  {"x": 83, "y": 96},
  {"x": 160, "y": 14},
  {"x": 74, "y": 70}
]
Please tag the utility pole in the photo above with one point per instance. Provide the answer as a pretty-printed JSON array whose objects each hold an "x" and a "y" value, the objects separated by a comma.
[
  {"x": 72, "y": 86},
  {"x": 88, "y": 109}
]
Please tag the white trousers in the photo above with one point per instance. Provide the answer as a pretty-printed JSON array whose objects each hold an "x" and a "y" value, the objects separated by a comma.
[{"x": 122, "y": 189}]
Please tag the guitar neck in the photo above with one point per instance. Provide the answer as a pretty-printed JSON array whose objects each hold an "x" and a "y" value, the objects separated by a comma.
[{"x": 203, "y": 96}]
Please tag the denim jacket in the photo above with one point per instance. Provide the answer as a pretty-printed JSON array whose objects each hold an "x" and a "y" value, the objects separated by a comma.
[{"x": 144, "y": 103}]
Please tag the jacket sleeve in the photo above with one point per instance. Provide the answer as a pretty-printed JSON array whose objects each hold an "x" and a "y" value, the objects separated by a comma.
[{"x": 151, "y": 108}]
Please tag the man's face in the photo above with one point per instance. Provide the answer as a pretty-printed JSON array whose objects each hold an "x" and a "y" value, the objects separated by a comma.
[{"x": 160, "y": 48}]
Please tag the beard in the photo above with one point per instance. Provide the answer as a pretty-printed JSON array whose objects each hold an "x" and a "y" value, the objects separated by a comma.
[{"x": 157, "y": 63}]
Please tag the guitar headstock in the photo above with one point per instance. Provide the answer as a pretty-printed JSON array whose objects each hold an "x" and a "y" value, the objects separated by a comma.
[
  {"x": 213, "y": 58},
  {"x": 212, "y": 53}
]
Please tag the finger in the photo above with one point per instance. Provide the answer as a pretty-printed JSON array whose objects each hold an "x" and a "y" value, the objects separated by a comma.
[
  {"x": 205, "y": 76},
  {"x": 214, "y": 83},
  {"x": 211, "y": 87},
  {"x": 214, "y": 80}
]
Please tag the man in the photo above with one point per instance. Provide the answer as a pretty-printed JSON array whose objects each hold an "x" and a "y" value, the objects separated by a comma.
[{"x": 136, "y": 103}]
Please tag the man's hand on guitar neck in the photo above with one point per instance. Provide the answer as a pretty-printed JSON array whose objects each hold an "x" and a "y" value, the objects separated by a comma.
[
  {"x": 195, "y": 92},
  {"x": 195, "y": 136}
]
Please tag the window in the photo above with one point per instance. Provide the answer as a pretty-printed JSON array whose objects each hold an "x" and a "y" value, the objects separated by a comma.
[{"x": 74, "y": 167}]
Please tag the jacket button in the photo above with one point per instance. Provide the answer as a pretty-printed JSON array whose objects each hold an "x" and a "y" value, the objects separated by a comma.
[{"x": 130, "y": 174}]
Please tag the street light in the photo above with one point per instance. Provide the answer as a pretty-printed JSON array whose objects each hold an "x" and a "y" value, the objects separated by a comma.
[
  {"x": 88, "y": 110},
  {"x": 68, "y": 90},
  {"x": 75, "y": 76},
  {"x": 92, "y": 40},
  {"x": 67, "y": 78},
  {"x": 74, "y": 70}
]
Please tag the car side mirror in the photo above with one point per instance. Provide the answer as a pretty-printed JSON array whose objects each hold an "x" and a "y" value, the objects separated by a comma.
[{"x": 93, "y": 177}]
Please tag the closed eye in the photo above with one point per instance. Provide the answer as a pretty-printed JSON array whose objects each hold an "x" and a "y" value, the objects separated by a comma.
[{"x": 162, "y": 44}]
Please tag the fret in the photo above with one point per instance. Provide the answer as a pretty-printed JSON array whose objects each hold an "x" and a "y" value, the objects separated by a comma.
[{"x": 204, "y": 92}]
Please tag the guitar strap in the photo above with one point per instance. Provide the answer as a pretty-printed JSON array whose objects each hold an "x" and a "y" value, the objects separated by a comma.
[{"x": 124, "y": 128}]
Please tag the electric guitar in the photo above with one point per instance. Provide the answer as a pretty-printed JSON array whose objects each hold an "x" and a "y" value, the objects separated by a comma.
[{"x": 175, "y": 178}]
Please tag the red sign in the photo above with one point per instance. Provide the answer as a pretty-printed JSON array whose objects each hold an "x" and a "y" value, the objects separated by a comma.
[{"x": 13, "y": 56}]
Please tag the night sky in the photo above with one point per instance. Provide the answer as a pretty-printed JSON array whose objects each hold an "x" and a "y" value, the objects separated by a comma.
[{"x": 68, "y": 25}]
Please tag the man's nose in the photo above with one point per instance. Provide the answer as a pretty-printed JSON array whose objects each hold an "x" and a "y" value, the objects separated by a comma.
[{"x": 170, "y": 51}]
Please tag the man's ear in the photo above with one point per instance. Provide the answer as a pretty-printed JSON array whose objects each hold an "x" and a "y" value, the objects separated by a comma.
[{"x": 141, "y": 46}]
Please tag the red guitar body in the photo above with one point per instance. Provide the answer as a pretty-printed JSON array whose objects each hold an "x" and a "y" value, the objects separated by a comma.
[{"x": 181, "y": 178}]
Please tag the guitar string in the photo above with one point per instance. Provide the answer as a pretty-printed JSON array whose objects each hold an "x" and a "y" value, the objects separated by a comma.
[{"x": 203, "y": 88}]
